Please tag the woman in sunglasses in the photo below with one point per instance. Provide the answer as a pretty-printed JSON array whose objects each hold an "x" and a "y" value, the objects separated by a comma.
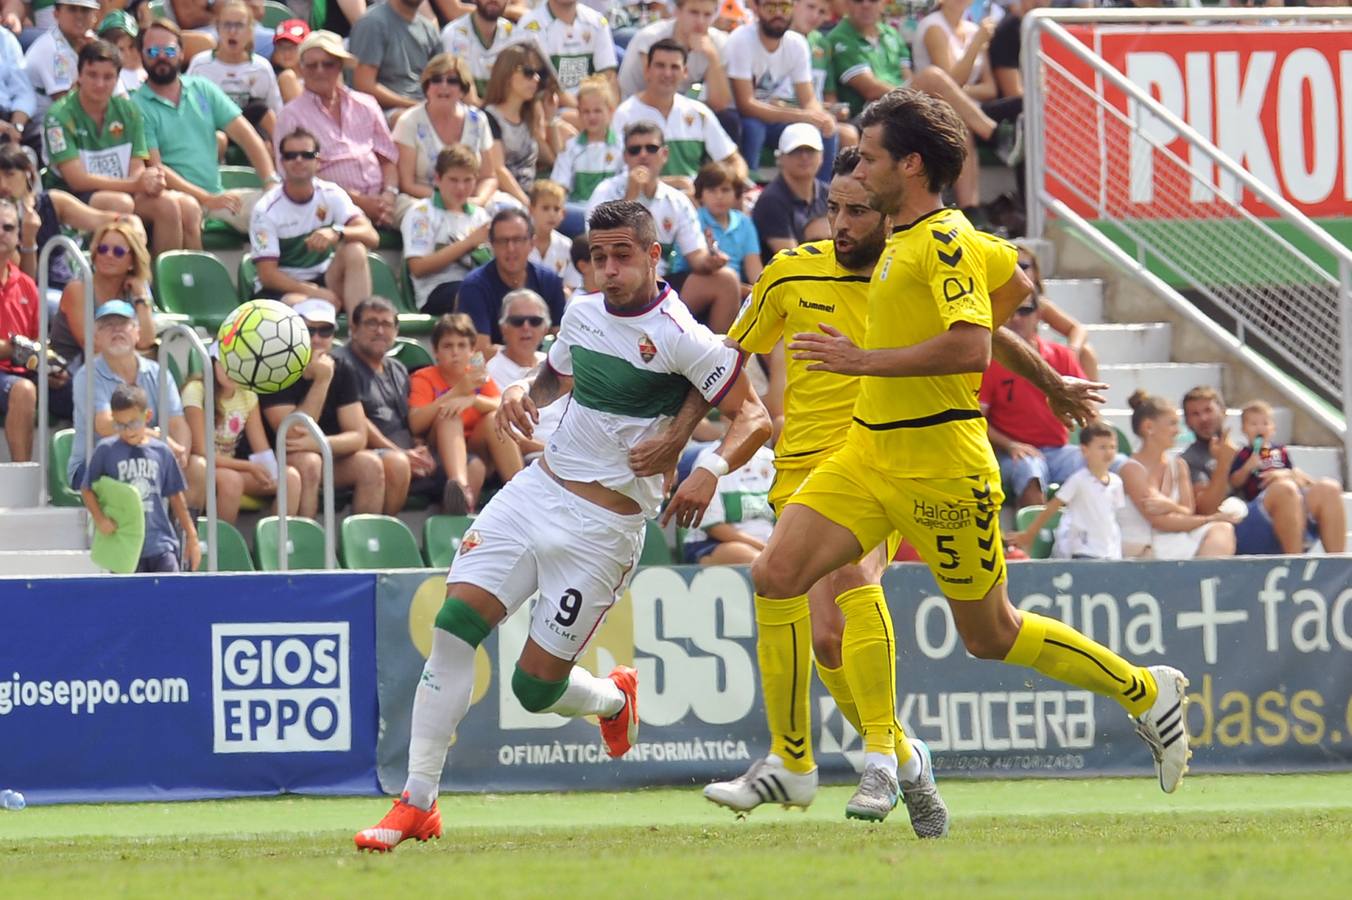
[
  {"x": 441, "y": 120},
  {"x": 522, "y": 106},
  {"x": 121, "y": 272}
]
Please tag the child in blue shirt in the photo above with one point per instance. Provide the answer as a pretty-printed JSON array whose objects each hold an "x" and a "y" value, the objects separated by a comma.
[{"x": 718, "y": 191}]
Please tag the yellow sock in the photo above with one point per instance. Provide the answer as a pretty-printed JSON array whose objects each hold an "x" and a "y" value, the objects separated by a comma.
[
  {"x": 868, "y": 654},
  {"x": 1059, "y": 651},
  {"x": 839, "y": 687},
  {"x": 784, "y": 650}
]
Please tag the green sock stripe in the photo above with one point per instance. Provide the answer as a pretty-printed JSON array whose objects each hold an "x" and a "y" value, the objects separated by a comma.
[
  {"x": 460, "y": 619},
  {"x": 534, "y": 693}
]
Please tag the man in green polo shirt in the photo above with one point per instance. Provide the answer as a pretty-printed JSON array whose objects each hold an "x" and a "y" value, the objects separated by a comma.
[
  {"x": 182, "y": 115},
  {"x": 868, "y": 56},
  {"x": 96, "y": 143}
]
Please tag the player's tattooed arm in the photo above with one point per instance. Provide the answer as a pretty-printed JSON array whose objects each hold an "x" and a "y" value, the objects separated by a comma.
[
  {"x": 1074, "y": 400},
  {"x": 660, "y": 453},
  {"x": 519, "y": 412}
]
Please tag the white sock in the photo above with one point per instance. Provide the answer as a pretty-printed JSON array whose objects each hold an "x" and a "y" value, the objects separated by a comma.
[
  {"x": 588, "y": 695},
  {"x": 440, "y": 703},
  {"x": 910, "y": 770},
  {"x": 882, "y": 760}
]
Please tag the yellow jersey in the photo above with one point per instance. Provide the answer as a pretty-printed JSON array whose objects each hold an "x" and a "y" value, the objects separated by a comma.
[
  {"x": 932, "y": 274},
  {"x": 798, "y": 291}
]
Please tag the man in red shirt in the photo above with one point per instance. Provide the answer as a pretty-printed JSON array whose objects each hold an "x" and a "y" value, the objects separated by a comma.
[
  {"x": 18, "y": 315},
  {"x": 1030, "y": 442}
]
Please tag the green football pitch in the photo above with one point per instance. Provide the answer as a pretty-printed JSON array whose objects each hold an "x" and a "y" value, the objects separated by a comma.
[{"x": 1230, "y": 837}]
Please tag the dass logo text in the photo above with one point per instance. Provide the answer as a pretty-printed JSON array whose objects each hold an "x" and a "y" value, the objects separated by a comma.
[{"x": 281, "y": 687}]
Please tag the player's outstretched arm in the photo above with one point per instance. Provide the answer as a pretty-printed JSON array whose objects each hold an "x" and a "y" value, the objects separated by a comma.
[
  {"x": 748, "y": 429},
  {"x": 963, "y": 348},
  {"x": 1074, "y": 400},
  {"x": 520, "y": 408}
]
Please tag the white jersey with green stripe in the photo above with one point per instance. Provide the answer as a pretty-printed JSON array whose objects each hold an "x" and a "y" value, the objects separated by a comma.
[
  {"x": 280, "y": 226},
  {"x": 690, "y": 130},
  {"x": 631, "y": 371}
]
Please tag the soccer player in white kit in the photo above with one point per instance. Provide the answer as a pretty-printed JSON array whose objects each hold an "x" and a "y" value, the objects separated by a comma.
[{"x": 572, "y": 524}]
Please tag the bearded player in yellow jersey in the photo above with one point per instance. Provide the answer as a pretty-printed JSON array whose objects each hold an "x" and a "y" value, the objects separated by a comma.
[{"x": 917, "y": 459}]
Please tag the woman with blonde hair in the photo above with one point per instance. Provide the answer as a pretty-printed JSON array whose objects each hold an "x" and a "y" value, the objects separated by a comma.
[
  {"x": 121, "y": 266},
  {"x": 245, "y": 77},
  {"x": 522, "y": 107},
  {"x": 441, "y": 120}
]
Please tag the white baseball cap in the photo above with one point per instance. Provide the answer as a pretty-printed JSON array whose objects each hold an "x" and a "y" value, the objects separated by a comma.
[
  {"x": 799, "y": 134},
  {"x": 316, "y": 310}
]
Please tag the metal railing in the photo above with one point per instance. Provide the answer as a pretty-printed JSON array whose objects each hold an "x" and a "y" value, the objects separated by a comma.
[
  {"x": 1198, "y": 232},
  {"x": 79, "y": 262},
  {"x": 302, "y": 420},
  {"x": 209, "y": 426}
]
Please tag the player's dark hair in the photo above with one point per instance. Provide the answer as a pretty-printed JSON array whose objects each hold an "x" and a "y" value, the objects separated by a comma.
[
  {"x": 507, "y": 215},
  {"x": 454, "y": 324},
  {"x": 372, "y": 303},
  {"x": 1146, "y": 407},
  {"x": 845, "y": 162},
  {"x": 915, "y": 122},
  {"x": 1096, "y": 430},
  {"x": 99, "y": 50},
  {"x": 643, "y": 126},
  {"x": 299, "y": 134},
  {"x": 670, "y": 46},
  {"x": 128, "y": 396},
  {"x": 581, "y": 249},
  {"x": 625, "y": 214}
]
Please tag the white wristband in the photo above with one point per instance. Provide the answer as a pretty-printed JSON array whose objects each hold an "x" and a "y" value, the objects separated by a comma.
[{"x": 711, "y": 461}]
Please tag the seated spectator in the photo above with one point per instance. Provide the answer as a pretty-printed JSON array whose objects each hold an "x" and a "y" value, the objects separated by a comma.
[
  {"x": 764, "y": 60},
  {"x": 477, "y": 38},
  {"x": 452, "y": 406},
  {"x": 1060, "y": 321},
  {"x": 135, "y": 455},
  {"x": 338, "y": 16},
  {"x": 522, "y": 113},
  {"x": 392, "y": 44},
  {"x": 193, "y": 20},
  {"x": 691, "y": 132},
  {"x": 1161, "y": 521},
  {"x": 285, "y": 60},
  {"x": 481, "y": 294},
  {"x": 445, "y": 236},
  {"x": 307, "y": 237},
  {"x": 51, "y": 60},
  {"x": 1030, "y": 442},
  {"x": 120, "y": 29},
  {"x": 1005, "y": 47},
  {"x": 691, "y": 28},
  {"x": 182, "y": 115},
  {"x": 591, "y": 156},
  {"x": 577, "y": 39},
  {"x": 1211, "y": 451},
  {"x": 115, "y": 363},
  {"x": 122, "y": 271},
  {"x": 739, "y": 519},
  {"x": 328, "y": 393},
  {"x": 868, "y": 56},
  {"x": 524, "y": 323},
  {"x": 718, "y": 191},
  {"x": 550, "y": 248},
  {"x": 245, "y": 77},
  {"x": 18, "y": 99},
  {"x": 438, "y": 122},
  {"x": 792, "y": 208},
  {"x": 1089, "y": 502},
  {"x": 1263, "y": 467},
  {"x": 240, "y": 444},
  {"x": 383, "y": 383},
  {"x": 43, "y": 214},
  {"x": 360, "y": 155},
  {"x": 580, "y": 254},
  {"x": 808, "y": 18},
  {"x": 709, "y": 287}
]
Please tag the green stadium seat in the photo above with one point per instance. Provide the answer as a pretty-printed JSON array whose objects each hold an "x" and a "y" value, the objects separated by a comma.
[
  {"x": 218, "y": 235},
  {"x": 441, "y": 538},
  {"x": 378, "y": 542},
  {"x": 390, "y": 239},
  {"x": 1042, "y": 542},
  {"x": 275, "y": 13},
  {"x": 1123, "y": 442},
  {"x": 411, "y": 353},
  {"x": 244, "y": 277},
  {"x": 305, "y": 540},
  {"x": 197, "y": 285},
  {"x": 57, "y": 460},
  {"x": 235, "y": 177},
  {"x": 655, "y": 549},
  {"x": 232, "y": 554},
  {"x": 384, "y": 284}
]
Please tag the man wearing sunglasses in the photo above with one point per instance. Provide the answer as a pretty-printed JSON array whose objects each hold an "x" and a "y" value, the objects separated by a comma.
[
  {"x": 392, "y": 44},
  {"x": 525, "y": 321}
]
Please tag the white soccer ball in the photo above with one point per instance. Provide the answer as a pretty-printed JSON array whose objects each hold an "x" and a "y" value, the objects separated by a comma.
[{"x": 264, "y": 346}]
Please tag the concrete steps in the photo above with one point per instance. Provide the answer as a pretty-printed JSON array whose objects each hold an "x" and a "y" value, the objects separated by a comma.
[
  {"x": 18, "y": 484},
  {"x": 49, "y": 528},
  {"x": 1169, "y": 380},
  {"x": 32, "y": 563},
  {"x": 1318, "y": 462},
  {"x": 1079, "y": 297},
  {"x": 1146, "y": 342}
]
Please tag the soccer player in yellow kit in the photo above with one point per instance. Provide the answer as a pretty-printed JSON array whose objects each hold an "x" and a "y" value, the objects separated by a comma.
[{"x": 917, "y": 459}]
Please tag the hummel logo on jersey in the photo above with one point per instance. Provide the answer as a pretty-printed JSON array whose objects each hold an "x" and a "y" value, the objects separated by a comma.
[
  {"x": 951, "y": 259},
  {"x": 646, "y": 348},
  {"x": 820, "y": 307}
]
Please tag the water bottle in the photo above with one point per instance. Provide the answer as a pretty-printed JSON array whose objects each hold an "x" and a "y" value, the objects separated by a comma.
[{"x": 12, "y": 800}]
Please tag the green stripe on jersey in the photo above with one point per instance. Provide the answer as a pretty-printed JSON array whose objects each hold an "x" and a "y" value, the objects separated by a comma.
[
  {"x": 584, "y": 184},
  {"x": 293, "y": 254},
  {"x": 609, "y": 384},
  {"x": 684, "y": 157}
]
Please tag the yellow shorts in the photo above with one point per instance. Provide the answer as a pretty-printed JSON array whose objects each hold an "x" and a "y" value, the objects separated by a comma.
[
  {"x": 786, "y": 484},
  {"x": 953, "y": 523}
]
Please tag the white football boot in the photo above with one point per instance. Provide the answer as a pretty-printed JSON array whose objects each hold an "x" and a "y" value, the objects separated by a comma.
[
  {"x": 1163, "y": 729},
  {"x": 767, "y": 781}
]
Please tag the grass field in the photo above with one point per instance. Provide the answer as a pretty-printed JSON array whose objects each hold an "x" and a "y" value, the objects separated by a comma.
[{"x": 1243, "y": 836}]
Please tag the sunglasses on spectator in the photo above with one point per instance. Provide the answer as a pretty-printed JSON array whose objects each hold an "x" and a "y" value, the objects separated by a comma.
[
  {"x": 329, "y": 64},
  {"x": 110, "y": 250},
  {"x": 289, "y": 155},
  {"x": 640, "y": 149},
  {"x": 1025, "y": 310},
  {"x": 446, "y": 79},
  {"x": 166, "y": 52},
  {"x": 324, "y": 331},
  {"x": 531, "y": 72},
  {"x": 532, "y": 321}
]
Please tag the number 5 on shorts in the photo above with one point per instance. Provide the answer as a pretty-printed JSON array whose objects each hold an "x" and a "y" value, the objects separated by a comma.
[{"x": 943, "y": 544}]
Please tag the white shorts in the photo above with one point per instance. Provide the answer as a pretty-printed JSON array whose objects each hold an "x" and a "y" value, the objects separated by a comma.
[{"x": 533, "y": 535}]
